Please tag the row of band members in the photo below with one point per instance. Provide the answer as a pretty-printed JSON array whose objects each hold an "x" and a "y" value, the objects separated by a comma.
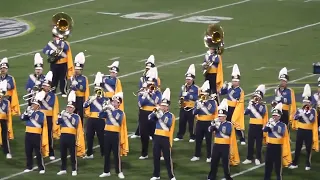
[{"x": 189, "y": 93}]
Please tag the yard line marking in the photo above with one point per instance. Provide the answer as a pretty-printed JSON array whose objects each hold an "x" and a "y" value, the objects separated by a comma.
[
  {"x": 142, "y": 60},
  {"x": 108, "y": 13},
  {"x": 87, "y": 56},
  {"x": 3, "y": 50},
  {"x": 49, "y": 9},
  {"x": 114, "y": 58},
  {"x": 260, "y": 68},
  {"x": 140, "y": 26},
  {"x": 255, "y": 167},
  {"x": 307, "y": 0},
  {"x": 230, "y": 66},
  {"x": 291, "y": 70}
]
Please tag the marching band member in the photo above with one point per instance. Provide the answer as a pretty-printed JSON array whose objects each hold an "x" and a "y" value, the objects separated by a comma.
[
  {"x": 11, "y": 87},
  {"x": 188, "y": 97},
  {"x": 205, "y": 111},
  {"x": 150, "y": 63},
  {"x": 36, "y": 133},
  {"x": 112, "y": 83},
  {"x": 80, "y": 84},
  {"x": 286, "y": 96},
  {"x": 307, "y": 129},
  {"x": 225, "y": 143},
  {"x": 50, "y": 107},
  {"x": 94, "y": 123},
  {"x": 72, "y": 136},
  {"x": 278, "y": 145},
  {"x": 213, "y": 61},
  {"x": 115, "y": 134},
  {"x": 235, "y": 96},
  {"x": 59, "y": 52},
  {"x": 316, "y": 102},
  {"x": 165, "y": 123},
  {"x": 148, "y": 99},
  {"x": 35, "y": 80},
  {"x": 5, "y": 121},
  {"x": 258, "y": 113}
]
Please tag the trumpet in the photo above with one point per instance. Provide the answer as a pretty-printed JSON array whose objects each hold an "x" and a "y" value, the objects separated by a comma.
[
  {"x": 139, "y": 91},
  {"x": 99, "y": 92},
  {"x": 203, "y": 98}
]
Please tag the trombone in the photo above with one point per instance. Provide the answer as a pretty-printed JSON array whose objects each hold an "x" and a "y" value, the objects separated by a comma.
[{"x": 32, "y": 93}]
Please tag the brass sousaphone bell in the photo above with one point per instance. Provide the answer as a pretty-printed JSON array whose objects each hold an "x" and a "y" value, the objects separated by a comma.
[
  {"x": 62, "y": 25},
  {"x": 214, "y": 37}
]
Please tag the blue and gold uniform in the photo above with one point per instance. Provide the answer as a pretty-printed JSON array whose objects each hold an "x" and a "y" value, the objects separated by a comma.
[
  {"x": 33, "y": 80},
  {"x": 36, "y": 138},
  {"x": 82, "y": 93},
  {"x": 163, "y": 137},
  {"x": 5, "y": 125},
  {"x": 62, "y": 68},
  {"x": 205, "y": 113},
  {"x": 307, "y": 124}
]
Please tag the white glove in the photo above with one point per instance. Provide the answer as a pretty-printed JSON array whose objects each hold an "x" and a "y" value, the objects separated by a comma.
[
  {"x": 74, "y": 83},
  {"x": 278, "y": 98},
  {"x": 319, "y": 129},
  {"x": 38, "y": 83},
  {"x": 229, "y": 85},
  {"x": 199, "y": 105},
  {"x": 51, "y": 51},
  {"x": 144, "y": 85},
  {"x": 224, "y": 85},
  {"x": 91, "y": 99},
  {"x": 218, "y": 123},
  {"x": 145, "y": 94},
  {"x": 29, "y": 113},
  {"x": 184, "y": 94},
  {"x": 111, "y": 107},
  {"x": 159, "y": 114},
  {"x": 273, "y": 123}
]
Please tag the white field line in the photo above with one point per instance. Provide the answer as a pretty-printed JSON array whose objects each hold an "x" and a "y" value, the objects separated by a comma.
[
  {"x": 108, "y": 13},
  {"x": 255, "y": 167},
  {"x": 307, "y": 0},
  {"x": 49, "y": 9},
  {"x": 3, "y": 50},
  {"x": 140, "y": 26},
  {"x": 196, "y": 56},
  {"x": 230, "y": 66},
  {"x": 260, "y": 68},
  {"x": 291, "y": 70},
  {"x": 114, "y": 58},
  {"x": 142, "y": 60},
  {"x": 87, "y": 56}
]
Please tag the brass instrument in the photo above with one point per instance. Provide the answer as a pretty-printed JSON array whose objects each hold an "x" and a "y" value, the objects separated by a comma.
[
  {"x": 139, "y": 91},
  {"x": 34, "y": 90},
  {"x": 99, "y": 92},
  {"x": 62, "y": 25},
  {"x": 203, "y": 98},
  {"x": 181, "y": 100}
]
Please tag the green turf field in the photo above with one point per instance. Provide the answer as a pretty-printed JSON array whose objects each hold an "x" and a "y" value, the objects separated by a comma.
[{"x": 262, "y": 36}]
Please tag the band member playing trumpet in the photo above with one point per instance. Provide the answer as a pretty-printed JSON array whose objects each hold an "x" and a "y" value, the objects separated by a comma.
[
  {"x": 11, "y": 87},
  {"x": 80, "y": 84},
  {"x": 205, "y": 112},
  {"x": 72, "y": 136},
  {"x": 95, "y": 125},
  {"x": 225, "y": 143},
  {"x": 165, "y": 123},
  {"x": 111, "y": 83},
  {"x": 235, "y": 96},
  {"x": 59, "y": 52},
  {"x": 50, "y": 107},
  {"x": 147, "y": 101},
  {"x": 307, "y": 133},
  {"x": 36, "y": 138},
  {"x": 5, "y": 121},
  {"x": 316, "y": 102},
  {"x": 150, "y": 63},
  {"x": 212, "y": 65},
  {"x": 258, "y": 113},
  {"x": 115, "y": 134},
  {"x": 188, "y": 97},
  {"x": 278, "y": 145},
  {"x": 286, "y": 96},
  {"x": 35, "y": 80}
]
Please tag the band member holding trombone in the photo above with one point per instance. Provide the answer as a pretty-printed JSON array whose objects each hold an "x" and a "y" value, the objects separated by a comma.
[
  {"x": 72, "y": 136},
  {"x": 11, "y": 87},
  {"x": 35, "y": 80},
  {"x": 50, "y": 107},
  {"x": 205, "y": 111},
  {"x": 95, "y": 124},
  {"x": 162, "y": 141},
  {"x": 115, "y": 134},
  {"x": 5, "y": 121},
  {"x": 59, "y": 52},
  {"x": 235, "y": 96},
  {"x": 316, "y": 102},
  {"x": 278, "y": 145},
  {"x": 80, "y": 84},
  {"x": 111, "y": 83},
  {"x": 148, "y": 99},
  {"x": 286, "y": 96},
  {"x": 188, "y": 97},
  {"x": 36, "y": 138},
  {"x": 258, "y": 113},
  {"x": 307, "y": 132},
  {"x": 225, "y": 143},
  {"x": 150, "y": 63},
  {"x": 212, "y": 65}
]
